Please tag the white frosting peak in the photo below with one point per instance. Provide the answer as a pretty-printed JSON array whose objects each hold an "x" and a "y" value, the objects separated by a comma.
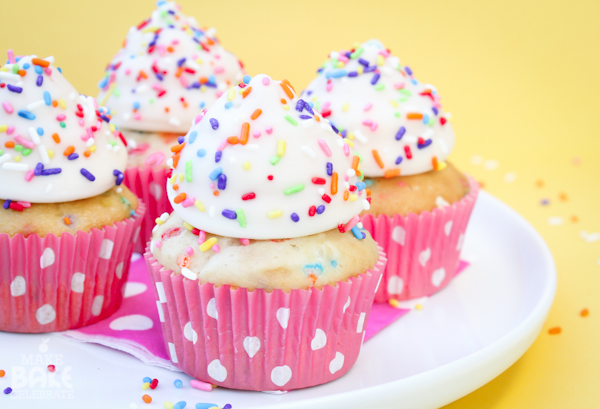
[
  {"x": 397, "y": 122},
  {"x": 261, "y": 164},
  {"x": 168, "y": 70},
  {"x": 55, "y": 145}
]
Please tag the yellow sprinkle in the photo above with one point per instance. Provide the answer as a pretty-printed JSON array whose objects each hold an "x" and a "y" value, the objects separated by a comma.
[
  {"x": 17, "y": 159},
  {"x": 208, "y": 244},
  {"x": 442, "y": 165},
  {"x": 106, "y": 202},
  {"x": 188, "y": 226},
  {"x": 340, "y": 64},
  {"x": 286, "y": 107},
  {"x": 273, "y": 214},
  {"x": 203, "y": 88},
  {"x": 360, "y": 70},
  {"x": 314, "y": 99},
  {"x": 231, "y": 94},
  {"x": 241, "y": 91},
  {"x": 50, "y": 153},
  {"x": 145, "y": 385},
  {"x": 107, "y": 95},
  {"x": 350, "y": 136},
  {"x": 394, "y": 303},
  {"x": 418, "y": 307},
  {"x": 345, "y": 107},
  {"x": 349, "y": 142},
  {"x": 4, "y": 69},
  {"x": 112, "y": 127},
  {"x": 280, "y": 148},
  {"x": 181, "y": 177},
  {"x": 394, "y": 103},
  {"x": 380, "y": 60},
  {"x": 93, "y": 148},
  {"x": 158, "y": 221},
  {"x": 173, "y": 178},
  {"x": 62, "y": 103},
  {"x": 199, "y": 61},
  {"x": 3, "y": 128},
  {"x": 199, "y": 205},
  {"x": 353, "y": 197},
  {"x": 246, "y": 165}
]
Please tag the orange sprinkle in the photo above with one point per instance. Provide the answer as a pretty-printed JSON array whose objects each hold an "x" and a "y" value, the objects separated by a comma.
[
  {"x": 143, "y": 74},
  {"x": 574, "y": 219},
  {"x": 176, "y": 187},
  {"x": 256, "y": 113},
  {"x": 170, "y": 49},
  {"x": 554, "y": 331},
  {"x": 203, "y": 80},
  {"x": 313, "y": 278},
  {"x": 179, "y": 72},
  {"x": 216, "y": 193},
  {"x": 585, "y": 312},
  {"x": 368, "y": 192},
  {"x": 246, "y": 92},
  {"x": 67, "y": 221},
  {"x": 177, "y": 148},
  {"x": 391, "y": 173},
  {"x": 176, "y": 159},
  {"x": 358, "y": 172},
  {"x": 346, "y": 195},
  {"x": 283, "y": 101},
  {"x": 22, "y": 73},
  {"x": 146, "y": 398},
  {"x": 180, "y": 198},
  {"x": 56, "y": 138},
  {"x": 54, "y": 103},
  {"x": 9, "y": 144},
  {"x": 317, "y": 118},
  {"x": 414, "y": 115},
  {"x": 245, "y": 132},
  {"x": 40, "y": 62},
  {"x": 434, "y": 163},
  {"x": 355, "y": 160},
  {"x": 334, "y": 183},
  {"x": 87, "y": 153},
  {"x": 232, "y": 140},
  {"x": 286, "y": 82},
  {"x": 69, "y": 150},
  {"x": 184, "y": 261},
  {"x": 378, "y": 158},
  {"x": 166, "y": 109},
  {"x": 287, "y": 89}
]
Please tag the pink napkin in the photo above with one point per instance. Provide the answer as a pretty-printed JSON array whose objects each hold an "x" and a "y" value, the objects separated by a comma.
[{"x": 135, "y": 327}]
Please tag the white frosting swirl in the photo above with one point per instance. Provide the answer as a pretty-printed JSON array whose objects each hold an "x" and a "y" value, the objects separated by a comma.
[
  {"x": 55, "y": 145},
  {"x": 261, "y": 164},
  {"x": 396, "y": 122},
  {"x": 167, "y": 71}
]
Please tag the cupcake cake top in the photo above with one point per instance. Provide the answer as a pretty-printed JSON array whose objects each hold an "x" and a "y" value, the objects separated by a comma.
[
  {"x": 56, "y": 145},
  {"x": 260, "y": 163},
  {"x": 168, "y": 69},
  {"x": 396, "y": 122}
]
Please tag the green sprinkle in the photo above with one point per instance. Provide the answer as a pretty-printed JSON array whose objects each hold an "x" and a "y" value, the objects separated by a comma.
[
  {"x": 125, "y": 201},
  {"x": 397, "y": 114},
  {"x": 291, "y": 120},
  {"x": 357, "y": 52},
  {"x": 318, "y": 106},
  {"x": 112, "y": 142},
  {"x": 18, "y": 148},
  {"x": 379, "y": 87},
  {"x": 275, "y": 160},
  {"x": 402, "y": 99},
  {"x": 15, "y": 69},
  {"x": 1, "y": 152},
  {"x": 26, "y": 152},
  {"x": 151, "y": 100},
  {"x": 404, "y": 91},
  {"x": 116, "y": 92},
  {"x": 431, "y": 121},
  {"x": 294, "y": 189},
  {"x": 62, "y": 125},
  {"x": 188, "y": 170},
  {"x": 241, "y": 218}
]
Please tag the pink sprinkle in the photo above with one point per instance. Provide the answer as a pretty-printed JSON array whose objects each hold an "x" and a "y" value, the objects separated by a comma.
[
  {"x": 368, "y": 106},
  {"x": 352, "y": 223},
  {"x": 29, "y": 175},
  {"x": 154, "y": 160},
  {"x": 201, "y": 237},
  {"x": 324, "y": 147},
  {"x": 188, "y": 202},
  {"x": 216, "y": 248},
  {"x": 161, "y": 49},
  {"x": 399, "y": 85},
  {"x": 245, "y": 242},
  {"x": 198, "y": 118},
  {"x": 137, "y": 116},
  {"x": 81, "y": 123},
  {"x": 189, "y": 251},
  {"x": 219, "y": 93},
  {"x": 343, "y": 58},
  {"x": 223, "y": 145},
  {"x": 24, "y": 142},
  {"x": 24, "y": 204},
  {"x": 374, "y": 126},
  {"x": 218, "y": 56},
  {"x": 10, "y": 129},
  {"x": 401, "y": 184},
  {"x": 158, "y": 244},
  {"x": 329, "y": 87},
  {"x": 212, "y": 185},
  {"x": 89, "y": 132},
  {"x": 256, "y": 134},
  {"x": 266, "y": 80},
  {"x": 346, "y": 178},
  {"x": 61, "y": 117},
  {"x": 175, "y": 42},
  {"x": 219, "y": 70},
  {"x": 203, "y": 386},
  {"x": 157, "y": 87},
  {"x": 84, "y": 137},
  {"x": 11, "y": 57},
  {"x": 325, "y": 106},
  {"x": 346, "y": 149},
  {"x": 128, "y": 71},
  {"x": 269, "y": 130},
  {"x": 48, "y": 71},
  {"x": 7, "y": 107},
  {"x": 184, "y": 82},
  {"x": 367, "y": 122}
]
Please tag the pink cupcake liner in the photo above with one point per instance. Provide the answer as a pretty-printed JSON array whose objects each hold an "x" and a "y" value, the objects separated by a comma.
[
  {"x": 422, "y": 249},
  {"x": 58, "y": 283},
  {"x": 262, "y": 341},
  {"x": 151, "y": 186}
]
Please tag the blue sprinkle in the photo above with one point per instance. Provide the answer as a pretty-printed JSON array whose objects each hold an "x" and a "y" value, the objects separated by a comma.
[
  {"x": 320, "y": 209},
  {"x": 26, "y": 115},
  {"x": 212, "y": 79},
  {"x": 314, "y": 269},
  {"x": 218, "y": 156},
  {"x": 38, "y": 69},
  {"x": 181, "y": 140},
  {"x": 228, "y": 105},
  {"x": 178, "y": 384},
  {"x": 246, "y": 79},
  {"x": 222, "y": 182},
  {"x": 333, "y": 263},
  {"x": 39, "y": 81},
  {"x": 408, "y": 70},
  {"x": 180, "y": 405},
  {"x": 230, "y": 214},
  {"x": 295, "y": 217},
  {"x": 59, "y": 69},
  {"x": 202, "y": 104},
  {"x": 357, "y": 233},
  {"x": 399, "y": 160},
  {"x": 73, "y": 156},
  {"x": 215, "y": 174},
  {"x": 40, "y": 131},
  {"x": 103, "y": 82},
  {"x": 206, "y": 405},
  {"x": 147, "y": 380},
  {"x": 400, "y": 133},
  {"x": 424, "y": 144},
  {"x": 375, "y": 78},
  {"x": 12, "y": 88},
  {"x": 214, "y": 123},
  {"x": 136, "y": 105},
  {"x": 426, "y": 119},
  {"x": 414, "y": 81},
  {"x": 361, "y": 186},
  {"x": 26, "y": 66},
  {"x": 87, "y": 174},
  {"x": 193, "y": 135},
  {"x": 338, "y": 73},
  {"x": 369, "y": 182},
  {"x": 201, "y": 153},
  {"x": 329, "y": 168}
]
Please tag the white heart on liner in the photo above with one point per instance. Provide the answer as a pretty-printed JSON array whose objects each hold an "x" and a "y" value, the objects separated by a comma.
[
  {"x": 346, "y": 305},
  {"x": 97, "y": 305},
  {"x": 337, "y": 363},
  {"x": 217, "y": 371},
  {"x": 399, "y": 235},
  {"x": 106, "y": 249},
  {"x": 448, "y": 227},
  {"x": 134, "y": 322},
  {"x": 160, "y": 289},
  {"x": 361, "y": 322},
  {"x": 319, "y": 341},
  {"x": 119, "y": 270},
  {"x": 395, "y": 285},
  {"x": 211, "y": 308},
  {"x": 251, "y": 345},
  {"x": 173, "y": 353},
  {"x": 189, "y": 333},
  {"x": 48, "y": 258},
  {"x": 18, "y": 286},
  {"x": 438, "y": 276},
  {"x": 132, "y": 289},
  {"x": 589, "y": 237},
  {"x": 155, "y": 190},
  {"x": 424, "y": 256},
  {"x": 77, "y": 282},
  {"x": 280, "y": 375},
  {"x": 45, "y": 314},
  {"x": 161, "y": 314},
  {"x": 459, "y": 245},
  {"x": 283, "y": 316}
]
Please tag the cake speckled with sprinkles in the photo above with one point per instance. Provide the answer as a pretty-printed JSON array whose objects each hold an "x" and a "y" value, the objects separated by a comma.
[
  {"x": 61, "y": 166},
  {"x": 266, "y": 197},
  {"x": 403, "y": 137}
]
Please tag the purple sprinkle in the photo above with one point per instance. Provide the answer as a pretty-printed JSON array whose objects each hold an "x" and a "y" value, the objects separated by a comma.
[
  {"x": 181, "y": 62},
  {"x": 7, "y": 391},
  {"x": 73, "y": 156},
  {"x": 181, "y": 140},
  {"x": 230, "y": 214},
  {"x": 329, "y": 168},
  {"x": 295, "y": 217},
  {"x": 218, "y": 156},
  {"x": 370, "y": 69},
  {"x": 6, "y": 204},
  {"x": 347, "y": 54},
  {"x": 363, "y": 234},
  {"x": 408, "y": 70},
  {"x": 305, "y": 117},
  {"x": 120, "y": 176},
  {"x": 214, "y": 123},
  {"x": 334, "y": 128},
  {"x": 38, "y": 169},
  {"x": 39, "y": 81},
  {"x": 364, "y": 62},
  {"x": 222, "y": 182},
  {"x": 12, "y": 88},
  {"x": 228, "y": 406},
  {"x": 424, "y": 144},
  {"x": 308, "y": 93},
  {"x": 375, "y": 78},
  {"x": 435, "y": 110},
  {"x": 87, "y": 174},
  {"x": 353, "y": 74},
  {"x": 344, "y": 133},
  {"x": 300, "y": 105},
  {"x": 400, "y": 133},
  {"x": 399, "y": 160},
  {"x": 309, "y": 108},
  {"x": 159, "y": 76},
  {"x": 52, "y": 171},
  {"x": 320, "y": 209},
  {"x": 212, "y": 85}
]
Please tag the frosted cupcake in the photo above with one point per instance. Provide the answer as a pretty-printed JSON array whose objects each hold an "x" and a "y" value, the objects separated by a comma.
[
  {"x": 264, "y": 276},
  {"x": 397, "y": 126},
  {"x": 168, "y": 70},
  {"x": 67, "y": 225}
]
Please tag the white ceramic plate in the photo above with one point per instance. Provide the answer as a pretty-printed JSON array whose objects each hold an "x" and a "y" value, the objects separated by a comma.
[{"x": 463, "y": 338}]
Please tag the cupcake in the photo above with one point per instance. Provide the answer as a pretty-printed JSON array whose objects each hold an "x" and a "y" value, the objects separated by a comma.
[
  {"x": 67, "y": 225},
  {"x": 264, "y": 276},
  {"x": 168, "y": 70},
  {"x": 422, "y": 203}
]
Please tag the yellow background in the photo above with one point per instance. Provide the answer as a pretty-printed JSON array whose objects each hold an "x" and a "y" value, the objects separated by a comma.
[{"x": 521, "y": 78}]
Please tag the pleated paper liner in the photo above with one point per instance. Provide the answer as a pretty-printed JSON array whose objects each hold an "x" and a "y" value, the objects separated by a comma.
[
  {"x": 262, "y": 341},
  {"x": 422, "y": 249},
  {"x": 58, "y": 283}
]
